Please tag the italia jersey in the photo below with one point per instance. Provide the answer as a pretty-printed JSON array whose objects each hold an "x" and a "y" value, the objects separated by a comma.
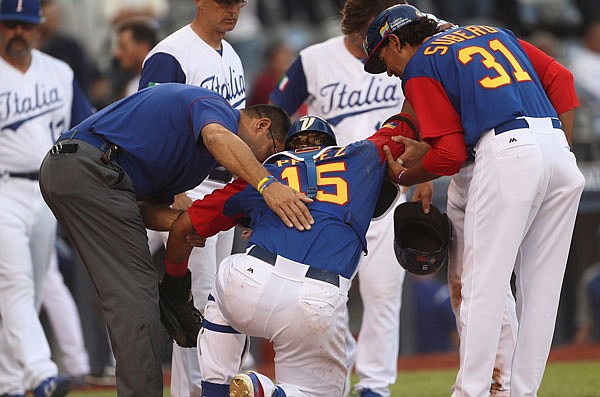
[
  {"x": 333, "y": 83},
  {"x": 348, "y": 181},
  {"x": 35, "y": 107},
  {"x": 158, "y": 132},
  {"x": 183, "y": 57},
  {"x": 438, "y": 82}
]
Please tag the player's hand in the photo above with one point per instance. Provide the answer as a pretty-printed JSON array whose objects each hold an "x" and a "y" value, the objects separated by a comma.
[
  {"x": 414, "y": 151},
  {"x": 395, "y": 167},
  {"x": 289, "y": 205},
  {"x": 246, "y": 234},
  {"x": 182, "y": 202},
  {"x": 424, "y": 193},
  {"x": 195, "y": 240}
]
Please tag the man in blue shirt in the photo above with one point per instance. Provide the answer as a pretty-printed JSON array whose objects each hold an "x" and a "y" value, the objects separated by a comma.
[{"x": 141, "y": 151}]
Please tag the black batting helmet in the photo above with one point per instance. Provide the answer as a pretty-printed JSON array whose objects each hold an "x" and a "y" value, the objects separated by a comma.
[{"x": 421, "y": 241}]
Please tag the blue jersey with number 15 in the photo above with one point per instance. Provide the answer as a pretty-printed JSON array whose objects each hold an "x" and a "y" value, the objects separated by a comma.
[{"x": 485, "y": 75}]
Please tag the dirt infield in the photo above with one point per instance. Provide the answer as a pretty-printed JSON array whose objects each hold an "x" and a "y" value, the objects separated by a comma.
[{"x": 563, "y": 353}]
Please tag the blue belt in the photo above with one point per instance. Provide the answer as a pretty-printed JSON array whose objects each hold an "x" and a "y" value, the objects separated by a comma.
[
  {"x": 516, "y": 124},
  {"x": 313, "y": 272}
]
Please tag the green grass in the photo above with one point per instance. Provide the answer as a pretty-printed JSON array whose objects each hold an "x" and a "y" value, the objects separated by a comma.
[{"x": 578, "y": 379}]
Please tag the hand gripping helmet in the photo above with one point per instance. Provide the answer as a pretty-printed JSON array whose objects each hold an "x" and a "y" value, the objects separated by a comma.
[
  {"x": 421, "y": 241},
  {"x": 310, "y": 123}
]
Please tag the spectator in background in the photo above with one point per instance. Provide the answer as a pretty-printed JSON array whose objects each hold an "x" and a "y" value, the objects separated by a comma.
[
  {"x": 63, "y": 46},
  {"x": 585, "y": 64},
  {"x": 279, "y": 56},
  {"x": 135, "y": 39},
  {"x": 118, "y": 11}
]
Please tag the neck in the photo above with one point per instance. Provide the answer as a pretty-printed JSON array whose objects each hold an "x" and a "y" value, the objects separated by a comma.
[
  {"x": 21, "y": 63},
  {"x": 209, "y": 36},
  {"x": 354, "y": 46}
]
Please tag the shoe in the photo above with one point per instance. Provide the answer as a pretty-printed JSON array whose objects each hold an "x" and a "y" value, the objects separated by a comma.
[
  {"x": 246, "y": 385},
  {"x": 55, "y": 386},
  {"x": 101, "y": 380},
  {"x": 368, "y": 393}
]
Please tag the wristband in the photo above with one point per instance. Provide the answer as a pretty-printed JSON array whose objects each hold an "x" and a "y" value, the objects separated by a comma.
[
  {"x": 266, "y": 181},
  {"x": 399, "y": 181}
]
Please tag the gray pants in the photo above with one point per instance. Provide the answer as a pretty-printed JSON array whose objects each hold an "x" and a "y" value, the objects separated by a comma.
[{"x": 96, "y": 205}]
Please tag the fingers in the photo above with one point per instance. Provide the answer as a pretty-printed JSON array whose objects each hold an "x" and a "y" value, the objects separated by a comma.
[
  {"x": 195, "y": 241},
  {"x": 394, "y": 167},
  {"x": 289, "y": 205}
]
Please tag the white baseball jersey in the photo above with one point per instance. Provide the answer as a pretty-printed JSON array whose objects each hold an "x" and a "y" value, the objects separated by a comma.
[
  {"x": 183, "y": 57},
  {"x": 338, "y": 90},
  {"x": 334, "y": 85},
  {"x": 200, "y": 64},
  {"x": 35, "y": 107}
]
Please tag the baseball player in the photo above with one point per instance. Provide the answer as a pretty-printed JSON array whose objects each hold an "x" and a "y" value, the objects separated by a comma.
[
  {"x": 290, "y": 288},
  {"x": 197, "y": 54},
  {"x": 355, "y": 103},
  {"x": 39, "y": 97},
  {"x": 142, "y": 150},
  {"x": 61, "y": 309},
  {"x": 518, "y": 146}
]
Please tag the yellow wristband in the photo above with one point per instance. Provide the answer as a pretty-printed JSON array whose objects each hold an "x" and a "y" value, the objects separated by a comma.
[{"x": 266, "y": 181}]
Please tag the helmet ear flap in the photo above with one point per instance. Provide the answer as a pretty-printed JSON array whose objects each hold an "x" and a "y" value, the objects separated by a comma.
[{"x": 421, "y": 241}]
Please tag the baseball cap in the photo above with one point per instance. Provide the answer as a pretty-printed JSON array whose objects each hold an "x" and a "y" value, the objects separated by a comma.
[
  {"x": 388, "y": 21},
  {"x": 21, "y": 10}
]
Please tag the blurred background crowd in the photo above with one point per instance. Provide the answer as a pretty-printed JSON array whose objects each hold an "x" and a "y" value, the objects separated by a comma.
[{"x": 105, "y": 42}]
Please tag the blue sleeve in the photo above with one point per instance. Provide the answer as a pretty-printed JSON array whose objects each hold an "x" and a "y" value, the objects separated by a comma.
[
  {"x": 161, "y": 68},
  {"x": 291, "y": 92},
  {"x": 81, "y": 108},
  {"x": 212, "y": 109}
]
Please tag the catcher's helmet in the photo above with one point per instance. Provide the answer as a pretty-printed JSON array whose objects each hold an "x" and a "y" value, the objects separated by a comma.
[
  {"x": 421, "y": 240},
  {"x": 310, "y": 123}
]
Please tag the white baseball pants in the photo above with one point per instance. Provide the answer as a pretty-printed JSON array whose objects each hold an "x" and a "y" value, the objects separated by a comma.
[
  {"x": 304, "y": 318},
  {"x": 520, "y": 214},
  {"x": 27, "y": 235}
]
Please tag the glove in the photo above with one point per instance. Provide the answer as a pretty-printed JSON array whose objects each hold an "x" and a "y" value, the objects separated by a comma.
[{"x": 177, "y": 312}]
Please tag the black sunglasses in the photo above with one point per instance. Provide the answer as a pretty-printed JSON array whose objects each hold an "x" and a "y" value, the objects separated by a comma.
[
  {"x": 14, "y": 24},
  {"x": 229, "y": 3},
  {"x": 274, "y": 145}
]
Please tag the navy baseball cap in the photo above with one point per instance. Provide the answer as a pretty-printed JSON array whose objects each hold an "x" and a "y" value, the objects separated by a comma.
[
  {"x": 388, "y": 21},
  {"x": 21, "y": 10}
]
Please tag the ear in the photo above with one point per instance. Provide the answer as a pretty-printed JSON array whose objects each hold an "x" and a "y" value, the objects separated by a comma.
[
  {"x": 262, "y": 125},
  {"x": 394, "y": 41}
]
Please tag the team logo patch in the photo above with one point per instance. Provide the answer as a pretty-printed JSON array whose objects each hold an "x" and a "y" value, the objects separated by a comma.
[{"x": 390, "y": 125}]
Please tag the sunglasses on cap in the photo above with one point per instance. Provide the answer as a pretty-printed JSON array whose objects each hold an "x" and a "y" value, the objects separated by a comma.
[
  {"x": 228, "y": 3},
  {"x": 14, "y": 24}
]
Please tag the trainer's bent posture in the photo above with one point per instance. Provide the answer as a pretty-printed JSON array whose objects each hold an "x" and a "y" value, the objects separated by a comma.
[{"x": 143, "y": 150}]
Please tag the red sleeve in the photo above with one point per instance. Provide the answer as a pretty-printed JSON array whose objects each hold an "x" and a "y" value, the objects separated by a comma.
[
  {"x": 556, "y": 79},
  {"x": 435, "y": 113},
  {"x": 400, "y": 124},
  {"x": 447, "y": 154},
  {"x": 207, "y": 215}
]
